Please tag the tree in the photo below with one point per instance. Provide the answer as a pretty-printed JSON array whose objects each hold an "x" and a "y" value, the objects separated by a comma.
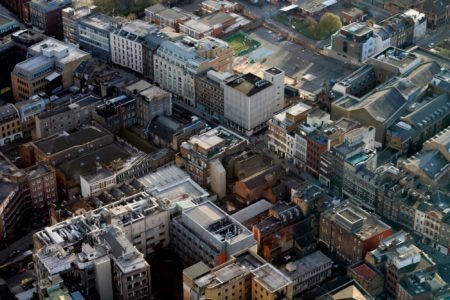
[{"x": 329, "y": 23}]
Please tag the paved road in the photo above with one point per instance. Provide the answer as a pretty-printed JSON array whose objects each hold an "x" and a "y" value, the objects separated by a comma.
[{"x": 435, "y": 36}]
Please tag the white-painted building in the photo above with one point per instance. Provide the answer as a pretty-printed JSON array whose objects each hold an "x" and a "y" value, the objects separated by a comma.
[
  {"x": 127, "y": 45},
  {"x": 420, "y": 23},
  {"x": 276, "y": 77},
  {"x": 249, "y": 102}
]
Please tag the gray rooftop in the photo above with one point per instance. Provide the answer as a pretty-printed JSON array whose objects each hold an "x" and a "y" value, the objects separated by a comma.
[
  {"x": 308, "y": 264},
  {"x": 249, "y": 84},
  {"x": 271, "y": 278}
]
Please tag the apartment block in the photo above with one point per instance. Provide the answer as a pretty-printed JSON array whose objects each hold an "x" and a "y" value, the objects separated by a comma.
[
  {"x": 70, "y": 18},
  {"x": 50, "y": 66},
  {"x": 249, "y": 102},
  {"x": 116, "y": 113},
  {"x": 197, "y": 153},
  {"x": 42, "y": 184},
  {"x": 10, "y": 127},
  {"x": 127, "y": 45},
  {"x": 350, "y": 232},
  {"x": 206, "y": 233},
  {"x": 46, "y": 16}
]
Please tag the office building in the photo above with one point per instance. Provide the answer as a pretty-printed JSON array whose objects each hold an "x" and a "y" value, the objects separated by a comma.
[
  {"x": 46, "y": 16},
  {"x": 209, "y": 95},
  {"x": 127, "y": 45},
  {"x": 10, "y": 127},
  {"x": 249, "y": 102},
  {"x": 207, "y": 233},
  {"x": 70, "y": 18},
  {"x": 116, "y": 113},
  {"x": 93, "y": 32},
  {"x": 269, "y": 284},
  {"x": 177, "y": 63},
  {"x": 50, "y": 66},
  {"x": 349, "y": 232}
]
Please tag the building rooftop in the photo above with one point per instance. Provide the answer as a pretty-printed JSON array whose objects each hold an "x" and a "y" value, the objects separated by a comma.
[
  {"x": 359, "y": 29},
  {"x": 63, "y": 141},
  {"x": 6, "y": 188},
  {"x": 221, "y": 276},
  {"x": 60, "y": 51},
  {"x": 100, "y": 21},
  {"x": 249, "y": 84},
  {"x": 433, "y": 163},
  {"x": 398, "y": 58},
  {"x": 136, "y": 30},
  {"x": 365, "y": 272},
  {"x": 252, "y": 211},
  {"x": 8, "y": 112},
  {"x": 86, "y": 164},
  {"x": 5, "y": 20},
  {"x": 198, "y": 26},
  {"x": 218, "y": 223},
  {"x": 438, "y": 107},
  {"x": 38, "y": 170},
  {"x": 289, "y": 115},
  {"x": 271, "y": 278},
  {"x": 50, "y": 5},
  {"x": 173, "y": 185},
  {"x": 307, "y": 265},
  {"x": 216, "y": 18}
]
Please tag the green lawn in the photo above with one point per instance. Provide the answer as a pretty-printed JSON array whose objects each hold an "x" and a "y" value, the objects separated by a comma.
[
  {"x": 300, "y": 26},
  {"x": 241, "y": 43},
  {"x": 444, "y": 48}
]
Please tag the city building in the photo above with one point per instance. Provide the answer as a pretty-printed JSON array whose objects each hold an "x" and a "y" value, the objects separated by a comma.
[
  {"x": 209, "y": 95},
  {"x": 308, "y": 271},
  {"x": 75, "y": 112},
  {"x": 116, "y": 113},
  {"x": 42, "y": 184},
  {"x": 269, "y": 284},
  {"x": 207, "y": 233},
  {"x": 127, "y": 45},
  {"x": 349, "y": 232},
  {"x": 249, "y": 102},
  {"x": 107, "y": 267},
  {"x": 10, "y": 127},
  {"x": 50, "y": 66},
  {"x": 437, "y": 13},
  {"x": 163, "y": 16},
  {"x": 7, "y": 25},
  {"x": 356, "y": 42},
  {"x": 210, "y": 6},
  {"x": 177, "y": 63},
  {"x": 151, "y": 102},
  {"x": 46, "y": 16},
  {"x": 368, "y": 277},
  {"x": 70, "y": 18},
  {"x": 175, "y": 188},
  {"x": 230, "y": 280},
  {"x": 14, "y": 197},
  {"x": 19, "y": 7},
  {"x": 197, "y": 153},
  {"x": 56, "y": 149},
  {"x": 283, "y": 124},
  {"x": 93, "y": 33}
]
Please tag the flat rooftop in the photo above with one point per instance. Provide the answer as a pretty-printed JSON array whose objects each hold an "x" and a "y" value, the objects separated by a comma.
[
  {"x": 65, "y": 141},
  {"x": 5, "y": 20},
  {"x": 271, "y": 278},
  {"x": 357, "y": 29},
  {"x": 37, "y": 170},
  {"x": 249, "y": 84},
  {"x": 303, "y": 266},
  {"x": 397, "y": 57}
]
